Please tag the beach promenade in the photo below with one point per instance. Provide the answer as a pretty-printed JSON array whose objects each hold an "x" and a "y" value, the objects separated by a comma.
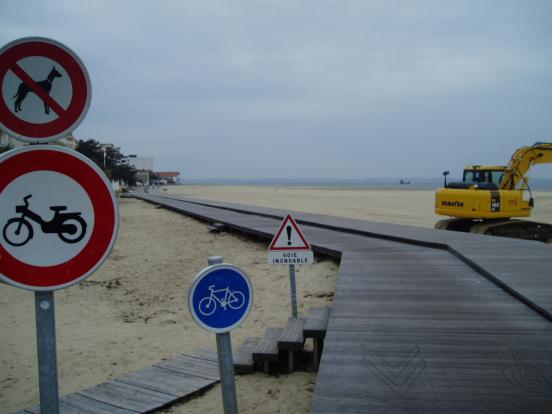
[{"x": 422, "y": 320}]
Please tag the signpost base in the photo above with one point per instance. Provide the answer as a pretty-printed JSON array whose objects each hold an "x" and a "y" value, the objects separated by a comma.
[
  {"x": 293, "y": 290},
  {"x": 46, "y": 351},
  {"x": 226, "y": 369}
]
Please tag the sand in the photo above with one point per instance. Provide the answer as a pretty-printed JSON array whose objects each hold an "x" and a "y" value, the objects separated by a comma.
[{"x": 132, "y": 312}]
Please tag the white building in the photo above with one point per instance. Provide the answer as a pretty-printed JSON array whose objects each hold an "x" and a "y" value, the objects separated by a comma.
[{"x": 5, "y": 139}]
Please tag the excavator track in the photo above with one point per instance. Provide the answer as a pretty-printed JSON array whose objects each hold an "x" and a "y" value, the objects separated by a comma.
[
  {"x": 517, "y": 229},
  {"x": 454, "y": 224}
]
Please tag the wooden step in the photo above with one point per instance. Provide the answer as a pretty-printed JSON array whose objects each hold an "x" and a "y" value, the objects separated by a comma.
[
  {"x": 317, "y": 323},
  {"x": 315, "y": 328},
  {"x": 267, "y": 347},
  {"x": 243, "y": 357},
  {"x": 291, "y": 338}
]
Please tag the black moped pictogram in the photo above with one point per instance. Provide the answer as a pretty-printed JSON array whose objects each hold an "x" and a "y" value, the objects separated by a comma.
[{"x": 70, "y": 227}]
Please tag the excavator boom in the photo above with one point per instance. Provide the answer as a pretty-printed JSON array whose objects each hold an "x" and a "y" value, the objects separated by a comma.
[{"x": 521, "y": 162}]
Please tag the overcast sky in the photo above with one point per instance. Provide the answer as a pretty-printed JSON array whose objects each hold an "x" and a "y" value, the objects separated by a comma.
[{"x": 308, "y": 89}]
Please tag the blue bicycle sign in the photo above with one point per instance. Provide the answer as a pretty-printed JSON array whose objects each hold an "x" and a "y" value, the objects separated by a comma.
[
  {"x": 223, "y": 297},
  {"x": 220, "y": 298}
]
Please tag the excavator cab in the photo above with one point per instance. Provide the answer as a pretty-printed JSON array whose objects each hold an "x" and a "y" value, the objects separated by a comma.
[
  {"x": 484, "y": 175},
  {"x": 477, "y": 176}
]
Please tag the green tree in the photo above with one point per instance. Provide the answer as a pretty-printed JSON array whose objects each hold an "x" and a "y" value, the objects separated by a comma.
[
  {"x": 92, "y": 150},
  {"x": 125, "y": 173},
  {"x": 108, "y": 159}
]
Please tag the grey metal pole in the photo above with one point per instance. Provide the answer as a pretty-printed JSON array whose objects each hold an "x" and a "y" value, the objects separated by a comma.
[
  {"x": 226, "y": 362},
  {"x": 293, "y": 290},
  {"x": 46, "y": 350},
  {"x": 226, "y": 369}
]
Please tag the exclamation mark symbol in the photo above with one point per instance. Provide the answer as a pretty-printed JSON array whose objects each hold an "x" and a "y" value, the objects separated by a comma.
[{"x": 288, "y": 229}]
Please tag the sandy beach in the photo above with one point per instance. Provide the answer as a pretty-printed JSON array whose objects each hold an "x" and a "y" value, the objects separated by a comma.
[
  {"x": 132, "y": 312},
  {"x": 401, "y": 206}
]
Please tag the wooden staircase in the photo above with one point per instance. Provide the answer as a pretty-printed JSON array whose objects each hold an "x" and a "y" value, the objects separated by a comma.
[{"x": 283, "y": 349}]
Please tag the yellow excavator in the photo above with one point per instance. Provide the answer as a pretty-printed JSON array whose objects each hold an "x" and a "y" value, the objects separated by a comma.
[{"x": 488, "y": 197}]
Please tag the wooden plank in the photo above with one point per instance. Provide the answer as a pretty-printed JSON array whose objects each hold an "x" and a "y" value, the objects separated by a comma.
[
  {"x": 146, "y": 389},
  {"x": 267, "y": 347},
  {"x": 35, "y": 409},
  {"x": 169, "y": 382},
  {"x": 140, "y": 393},
  {"x": 316, "y": 323},
  {"x": 204, "y": 353},
  {"x": 191, "y": 366},
  {"x": 75, "y": 403},
  {"x": 243, "y": 357},
  {"x": 117, "y": 395},
  {"x": 291, "y": 338}
]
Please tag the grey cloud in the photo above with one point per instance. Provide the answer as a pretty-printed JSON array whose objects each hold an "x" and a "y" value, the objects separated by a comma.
[{"x": 338, "y": 89}]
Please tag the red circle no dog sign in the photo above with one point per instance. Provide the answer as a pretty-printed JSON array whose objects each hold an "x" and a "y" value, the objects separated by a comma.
[
  {"x": 58, "y": 217},
  {"x": 45, "y": 89}
]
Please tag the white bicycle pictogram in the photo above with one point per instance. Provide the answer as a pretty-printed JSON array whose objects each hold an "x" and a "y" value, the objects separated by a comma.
[{"x": 224, "y": 297}]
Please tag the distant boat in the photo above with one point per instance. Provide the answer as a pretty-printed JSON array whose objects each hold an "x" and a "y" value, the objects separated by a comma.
[{"x": 404, "y": 182}]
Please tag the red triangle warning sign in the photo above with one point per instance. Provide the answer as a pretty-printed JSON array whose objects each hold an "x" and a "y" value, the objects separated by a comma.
[{"x": 289, "y": 237}]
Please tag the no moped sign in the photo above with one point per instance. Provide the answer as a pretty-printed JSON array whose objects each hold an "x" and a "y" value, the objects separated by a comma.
[
  {"x": 58, "y": 217},
  {"x": 45, "y": 89}
]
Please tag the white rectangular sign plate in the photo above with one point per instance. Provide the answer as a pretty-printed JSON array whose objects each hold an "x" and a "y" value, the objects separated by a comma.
[{"x": 290, "y": 257}]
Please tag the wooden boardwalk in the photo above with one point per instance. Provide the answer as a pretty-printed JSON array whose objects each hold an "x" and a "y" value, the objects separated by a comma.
[
  {"x": 521, "y": 267},
  {"x": 147, "y": 389},
  {"x": 422, "y": 320}
]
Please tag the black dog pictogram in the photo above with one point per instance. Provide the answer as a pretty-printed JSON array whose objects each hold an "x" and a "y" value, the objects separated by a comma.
[{"x": 45, "y": 84}]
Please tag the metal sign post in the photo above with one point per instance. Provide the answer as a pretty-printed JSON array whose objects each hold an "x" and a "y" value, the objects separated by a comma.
[
  {"x": 46, "y": 351},
  {"x": 226, "y": 369},
  {"x": 219, "y": 300},
  {"x": 226, "y": 362},
  {"x": 293, "y": 290}
]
